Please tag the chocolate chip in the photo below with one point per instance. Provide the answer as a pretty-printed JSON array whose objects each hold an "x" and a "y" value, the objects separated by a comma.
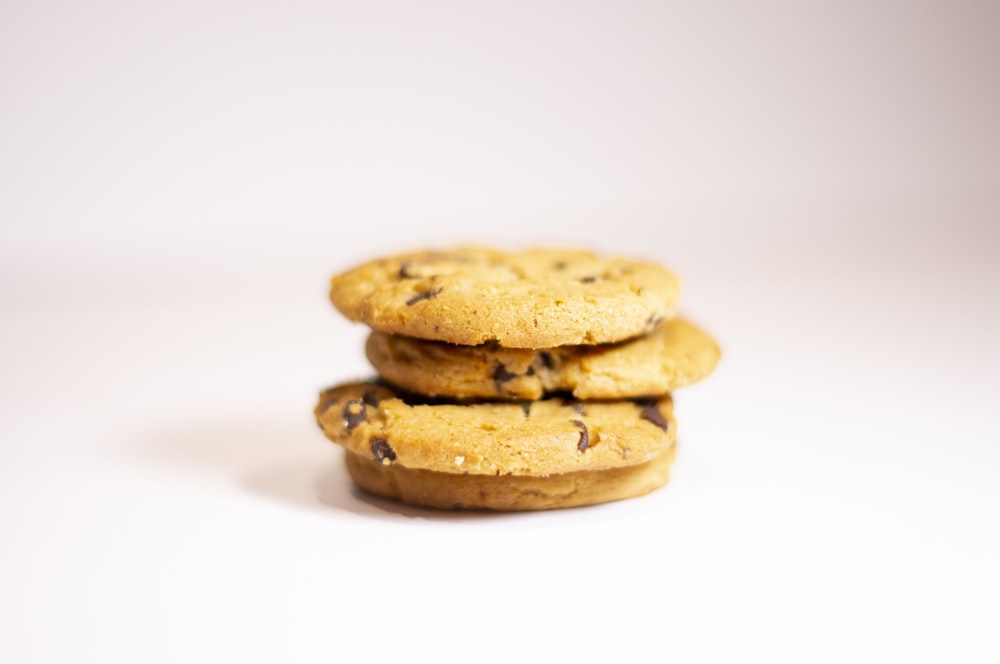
[
  {"x": 382, "y": 451},
  {"x": 584, "y": 436},
  {"x": 326, "y": 402},
  {"x": 501, "y": 376},
  {"x": 546, "y": 358},
  {"x": 370, "y": 397},
  {"x": 426, "y": 295},
  {"x": 354, "y": 413},
  {"x": 526, "y": 407},
  {"x": 559, "y": 265},
  {"x": 405, "y": 271},
  {"x": 651, "y": 413},
  {"x": 588, "y": 280}
]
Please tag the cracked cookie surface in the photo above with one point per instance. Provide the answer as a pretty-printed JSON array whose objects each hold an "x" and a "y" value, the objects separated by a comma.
[
  {"x": 538, "y": 298},
  {"x": 531, "y": 438},
  {"x": 673, "y": 355}
]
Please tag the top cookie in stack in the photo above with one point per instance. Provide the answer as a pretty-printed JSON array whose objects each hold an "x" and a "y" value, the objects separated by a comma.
[
  {"x": 532, "y": 299},
  {"x": 492, "y": 364}
]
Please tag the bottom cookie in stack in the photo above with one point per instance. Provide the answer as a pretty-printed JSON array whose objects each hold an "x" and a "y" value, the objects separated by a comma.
[{"x": 551, "y": 453}]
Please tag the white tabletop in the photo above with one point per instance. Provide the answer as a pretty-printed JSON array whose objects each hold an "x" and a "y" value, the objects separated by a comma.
[{"x": 166, "y": 495}]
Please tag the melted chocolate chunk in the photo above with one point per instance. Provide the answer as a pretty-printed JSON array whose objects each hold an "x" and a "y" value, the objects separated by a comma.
[
  {"x": 370, "y": 397},
  {"x": 526, "y": 407},
  {"x": 419, "y": 297},
  {"x": 584, "y": 435},
  {"x": 651, "y": 413},
  {"x": 354, "y": 413},
  {"x": 406, "y": 271},
  {"x": 326, "y": 401},
  {"x": 546, "y": 358},
  {"x": 381, "y": 450},
  {"x": 575, "y": 406},
  {"x": 501, "y": 376}
]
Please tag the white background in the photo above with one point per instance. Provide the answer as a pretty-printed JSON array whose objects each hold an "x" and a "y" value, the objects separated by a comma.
[{"x": 179, "y": 180}]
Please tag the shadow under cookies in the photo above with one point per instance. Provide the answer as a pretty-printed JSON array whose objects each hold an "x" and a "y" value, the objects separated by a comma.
[{"x": 288, "y": 461}]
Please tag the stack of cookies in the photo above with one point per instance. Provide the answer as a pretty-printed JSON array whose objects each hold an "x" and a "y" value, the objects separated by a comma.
[{"x": 513, "y": 380}]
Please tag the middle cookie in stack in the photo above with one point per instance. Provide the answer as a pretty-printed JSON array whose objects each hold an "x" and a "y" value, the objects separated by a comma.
[{"x": 495, "y": 406}]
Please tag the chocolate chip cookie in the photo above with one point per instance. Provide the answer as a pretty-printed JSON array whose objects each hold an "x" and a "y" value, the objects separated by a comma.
[
  {"x": 532, "y": 438},
  {"x": 428, "y": 488},
  {"x": 675, "y": 354},
  {"x": 539, "y": 298}
]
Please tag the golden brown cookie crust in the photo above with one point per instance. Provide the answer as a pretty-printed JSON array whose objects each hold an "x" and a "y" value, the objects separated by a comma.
[
  {"x": 539, "y": 298},
  {"x": 427, "y": 488},
  {"x": 673, "y": 355},
  {"x": 531, "y": 438}
]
